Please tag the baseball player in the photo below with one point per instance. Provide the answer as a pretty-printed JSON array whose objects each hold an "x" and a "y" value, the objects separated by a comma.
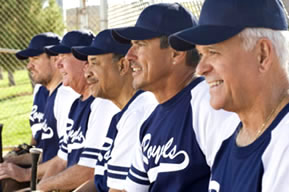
[
  {"x": 245, "y": 54},
  {"x": 47, "y": 128},
  {"x": 108, "y": 65},
  {"x": 87, "y": 119},
  {"x": 177, "y": 143},
  {"x": 40, "y": 95}
]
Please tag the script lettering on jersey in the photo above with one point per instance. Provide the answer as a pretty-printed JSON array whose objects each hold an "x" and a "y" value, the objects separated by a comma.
[
  {"x": 214, "y": 186},
  {"x": 166, "y": 151},
  {"x": 47, "y": 132},
  {"x": 105, "y": 153},
  {"x": 75, "y": 139},
  {"x": 34, "y": 115}
]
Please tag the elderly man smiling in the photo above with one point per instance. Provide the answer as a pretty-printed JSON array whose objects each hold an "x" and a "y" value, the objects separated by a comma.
[{"x": 244, "y": 48}]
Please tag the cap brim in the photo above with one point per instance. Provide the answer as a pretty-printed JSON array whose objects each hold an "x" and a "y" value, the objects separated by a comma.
[
  {"x": 202, "y": 35},
  {"x": 48, "y": 52},
  {"x": 81, "y": 53},
  {"x": 125, "y": 35},
  {"x": 58, "y": 49},
  {"x": 24, "y": 54}
]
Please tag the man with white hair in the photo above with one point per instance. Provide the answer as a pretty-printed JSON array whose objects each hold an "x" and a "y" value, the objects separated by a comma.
[{"x": 244, "y": 48}]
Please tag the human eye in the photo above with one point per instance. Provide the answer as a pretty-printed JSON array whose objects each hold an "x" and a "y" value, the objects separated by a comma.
[
  {"x": 200, "y": 55},
  {"x": 213, "y": 52},
  {"x": 95, "y": 63},
  {"x": 140, "y": 43}
]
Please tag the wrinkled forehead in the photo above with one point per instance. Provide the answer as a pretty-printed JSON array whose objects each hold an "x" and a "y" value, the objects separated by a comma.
[{"x": 234, "y": 42}]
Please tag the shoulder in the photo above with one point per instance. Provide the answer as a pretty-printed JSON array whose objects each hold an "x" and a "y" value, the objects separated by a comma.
[
  {"x": 145, "y": 101},
  {"x": 66, "y": 91}
]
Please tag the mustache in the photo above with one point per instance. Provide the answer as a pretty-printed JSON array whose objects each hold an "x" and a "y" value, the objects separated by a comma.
[{"x": 91, "y": 80}]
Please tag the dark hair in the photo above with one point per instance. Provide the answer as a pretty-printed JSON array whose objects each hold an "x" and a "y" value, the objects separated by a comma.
[
  {"x": 117, "y": 56},
  {"x": 192, "y": 56},
  {"x": 164, "y": 42}
]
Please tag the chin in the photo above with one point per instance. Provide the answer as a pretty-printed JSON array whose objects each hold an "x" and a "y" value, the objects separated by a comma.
[{"x": 216, "y": 105}]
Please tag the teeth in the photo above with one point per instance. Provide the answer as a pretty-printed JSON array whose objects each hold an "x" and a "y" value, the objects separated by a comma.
[
  {"x": 215, "y": 83},
  {"x": 135, "y": 69}
]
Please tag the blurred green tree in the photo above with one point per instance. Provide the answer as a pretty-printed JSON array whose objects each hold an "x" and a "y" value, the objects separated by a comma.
[{"x": 20, "y": 21}]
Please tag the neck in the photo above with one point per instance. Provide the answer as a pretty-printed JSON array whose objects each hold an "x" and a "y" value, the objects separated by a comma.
[
  {"x": 51, "y": 86},
  {"x": 256, "y": 120},
  {"x": 174, "y": 84},
  {"x": 124, "y": 95},
  {"x": 85, "y": 93}
]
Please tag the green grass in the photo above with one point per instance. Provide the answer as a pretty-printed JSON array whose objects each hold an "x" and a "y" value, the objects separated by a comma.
[{"x": 15, "y": 105}]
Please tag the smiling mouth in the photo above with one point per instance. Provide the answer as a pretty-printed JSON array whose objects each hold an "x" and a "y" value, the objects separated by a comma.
[{"x": 215, "y": 83}]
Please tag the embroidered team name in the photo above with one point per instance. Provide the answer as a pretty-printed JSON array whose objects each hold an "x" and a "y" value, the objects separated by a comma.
[
  {"x": 75, "y": 139},
  {"x": 165, "y": 151},
  {"x": 47, "y": 132},
  {"x": 105, "y": 153},
  {"x": 34, "y": 115},
  {"x": 214, "y": 186}
]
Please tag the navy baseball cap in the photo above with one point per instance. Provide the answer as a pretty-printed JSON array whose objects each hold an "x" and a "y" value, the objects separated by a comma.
[
  {"x": 37, "y": 45},
  {"x": 157, "y": 20},
  {"x": 71, "y": 39},
  {"x": 223, "y": 19},
  {"x": 102, "y": 44}
]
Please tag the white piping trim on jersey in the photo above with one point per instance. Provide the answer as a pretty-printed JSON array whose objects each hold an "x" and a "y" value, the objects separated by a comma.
[
  {"x": 90, "y": 153},
  {"x": 137, "y": 176},
  {"x": 117, "y": 172}
]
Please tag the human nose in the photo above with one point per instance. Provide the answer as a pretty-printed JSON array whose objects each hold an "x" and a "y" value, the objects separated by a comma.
[
  {"x": 59, "y": 62},
  {"x": 131, "y": 54},
  {"x": 203, "y": 67},
  {"x": 29, "y": 65}
]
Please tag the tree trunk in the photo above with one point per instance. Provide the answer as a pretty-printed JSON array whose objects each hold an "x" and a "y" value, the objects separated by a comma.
[
  {"x": 11, "y": 78},
  {"x": 1, "y": 74}
]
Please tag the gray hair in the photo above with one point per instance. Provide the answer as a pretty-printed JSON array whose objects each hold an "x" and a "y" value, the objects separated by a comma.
[{"x": 279, "y": 39}]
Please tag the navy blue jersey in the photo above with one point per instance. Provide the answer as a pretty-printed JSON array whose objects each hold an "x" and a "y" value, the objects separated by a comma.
[
  {"x": 261, "y": 166},
  {"x": 88, "y": 121},
  {"x": 49, "y": 136},
  {"x": 36, "y": 119},
  {"x": 55, "y": 113},
  {"x": 76, "y": 129},
  {"x": 118, "y": 149},
  {"x": 173, "y": 143}
]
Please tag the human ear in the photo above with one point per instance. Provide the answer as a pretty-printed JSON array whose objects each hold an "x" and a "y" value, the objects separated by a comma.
[
  {"x": 123, "y": 66},
  {"x": 178, "y": 56},
  {"x": 264, "y": 54}
]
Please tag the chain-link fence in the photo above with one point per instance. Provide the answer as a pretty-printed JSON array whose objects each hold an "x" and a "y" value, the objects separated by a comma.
[{"x": 22, "y": 19}]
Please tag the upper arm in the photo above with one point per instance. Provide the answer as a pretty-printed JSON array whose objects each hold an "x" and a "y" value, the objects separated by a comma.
[
  {"x": 275, "y": 161},
  {"x": 98, "y": 124},
  {"x": 211, "y": 126}
]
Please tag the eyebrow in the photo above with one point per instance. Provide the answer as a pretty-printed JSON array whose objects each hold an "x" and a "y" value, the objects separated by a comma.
[
  {"x": 92, "y": 59},
  {"x": 137, "y": 41}
]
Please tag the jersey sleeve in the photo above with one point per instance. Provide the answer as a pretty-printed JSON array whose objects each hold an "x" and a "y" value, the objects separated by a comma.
[
  {"x": 99, "y": 120},
  {"x": 63, "y": 101},
  {"x": 275, "y": 161},
  {"x": 124, "y": 147},
  {"x": 211, "y": 126},
  {"x": 137, "y": 179},
  {"x": 122, "y": 152}
]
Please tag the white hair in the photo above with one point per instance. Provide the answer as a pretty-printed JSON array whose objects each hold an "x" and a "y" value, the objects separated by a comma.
[{"x": 279, "y": 39}]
